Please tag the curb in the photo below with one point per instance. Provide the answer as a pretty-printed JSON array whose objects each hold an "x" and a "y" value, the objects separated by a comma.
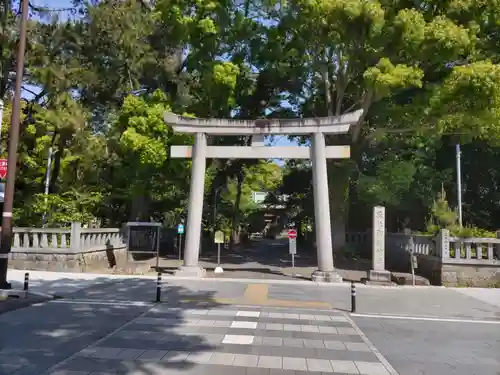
[
  {"x": 167, "y": 277},
  {"x": 5, "y": 294},
  {"x": 18, "y": 293}
]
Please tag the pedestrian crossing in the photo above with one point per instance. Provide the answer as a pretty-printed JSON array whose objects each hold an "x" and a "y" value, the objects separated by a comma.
[{"x": 234, "y": 340}]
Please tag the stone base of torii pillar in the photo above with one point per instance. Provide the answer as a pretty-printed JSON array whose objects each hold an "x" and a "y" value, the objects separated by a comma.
[
  {"x": 326, "y": 277},
  {"x": 190, "y": 271}
]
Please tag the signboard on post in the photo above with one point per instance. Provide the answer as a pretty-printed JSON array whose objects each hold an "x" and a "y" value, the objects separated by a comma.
[
  {"x": 3, "y": 168},
  {"x": 218, "y": 239},
  {"x": 292, "y": 244},
  {"x": 410, "y": 247},
  {"x": 180, "y": 232}
]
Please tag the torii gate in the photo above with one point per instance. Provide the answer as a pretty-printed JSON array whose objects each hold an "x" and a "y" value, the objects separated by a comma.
[{"x": 258, "y": 129}]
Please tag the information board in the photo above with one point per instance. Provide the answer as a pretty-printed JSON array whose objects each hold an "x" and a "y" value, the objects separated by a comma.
[
  {"x": 143, "y": 238},
  {"x": 219, "y": 237}
]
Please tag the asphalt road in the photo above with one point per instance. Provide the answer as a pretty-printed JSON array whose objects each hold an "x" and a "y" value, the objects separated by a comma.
[{"x": 431, "y": 331}]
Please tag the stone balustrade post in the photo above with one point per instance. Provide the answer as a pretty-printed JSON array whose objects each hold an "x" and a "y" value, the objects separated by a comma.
[
  {"x": 443, "y": 244},
  {"x": 496, "y": 249},
  {"x": 75, "y": 239}
]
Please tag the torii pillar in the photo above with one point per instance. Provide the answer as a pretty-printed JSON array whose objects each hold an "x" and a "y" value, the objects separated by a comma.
[{"x": 258, "y": 129}]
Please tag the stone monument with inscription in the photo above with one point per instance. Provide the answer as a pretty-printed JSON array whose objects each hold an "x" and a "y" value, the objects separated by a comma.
[{"x": 378, "y": 274}]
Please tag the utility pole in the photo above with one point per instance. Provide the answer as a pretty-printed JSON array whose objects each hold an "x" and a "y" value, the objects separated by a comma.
[
  {"x": 1, "y": 119},
  {"x": 47, "y": 185},
  {"x": 216, "y": 194},
  {"x": 6, "y": 234},
  {"x": 459, "y": 184}
]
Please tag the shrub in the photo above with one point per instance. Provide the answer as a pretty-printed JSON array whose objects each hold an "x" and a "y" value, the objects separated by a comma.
[{"x": 443, "y": 217}]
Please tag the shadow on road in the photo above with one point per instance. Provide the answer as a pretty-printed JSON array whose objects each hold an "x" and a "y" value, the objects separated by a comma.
[
  {"x": 136, "y": 336},
  {"x": 262, "y": 258}
]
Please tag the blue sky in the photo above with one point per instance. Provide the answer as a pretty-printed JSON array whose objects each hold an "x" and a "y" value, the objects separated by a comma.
[{"x": 53, "y": 4}]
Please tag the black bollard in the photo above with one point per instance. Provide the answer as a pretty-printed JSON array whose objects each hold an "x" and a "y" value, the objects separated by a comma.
[
  {"x": 26, "y": 281},
  {"x": 158, "y": 288},
  {"x": 353, "y": 297}
]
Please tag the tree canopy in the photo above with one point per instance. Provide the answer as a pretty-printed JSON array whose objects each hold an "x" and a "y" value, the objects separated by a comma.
[{"x": 97, "y": 82}]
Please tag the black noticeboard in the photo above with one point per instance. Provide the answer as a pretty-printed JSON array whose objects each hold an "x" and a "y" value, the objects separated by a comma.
[{"x": 143, "y": 238}]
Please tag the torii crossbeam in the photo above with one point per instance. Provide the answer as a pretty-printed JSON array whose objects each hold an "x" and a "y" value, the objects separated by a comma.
[{"x": 258, "y": 129}]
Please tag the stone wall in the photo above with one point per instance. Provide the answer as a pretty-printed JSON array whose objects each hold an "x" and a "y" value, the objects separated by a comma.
[
  {"x": 463, "y": 272},
  {"x": 69, "y": 261},
  {"x": 477, "y": 275}
]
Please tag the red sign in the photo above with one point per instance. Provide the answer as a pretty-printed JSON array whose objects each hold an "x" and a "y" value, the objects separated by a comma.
[
  {"x": 3, "y": 168},
  {"x": 292, "y": 234}
]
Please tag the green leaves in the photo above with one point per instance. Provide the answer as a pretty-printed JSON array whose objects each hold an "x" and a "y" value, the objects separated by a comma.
[
  {"x": 385, "y": 77},
  {"x": 103, "y": 82},
  {"x": 144, "y": 133},
  {"x": 446, "y": 41},
  {"x": 226, "y": 74},
  {"x": 468, "y": 102},
  {"x": 392, "y": 181},
  {"x": 207, "y": 26},
  {"x": 60, "y": 210},
  {"x": 349, "y": 12}
]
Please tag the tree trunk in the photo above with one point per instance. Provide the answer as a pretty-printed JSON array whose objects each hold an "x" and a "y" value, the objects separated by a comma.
[
  {"x": 338, "y": 176},
  {"x": 338, "y": 173},
  {"x": 140, "y": 209},
  {"x": 235, "y": 237},
  {"x": 56, "y": 162}
]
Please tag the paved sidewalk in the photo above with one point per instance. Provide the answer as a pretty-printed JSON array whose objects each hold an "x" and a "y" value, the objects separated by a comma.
[
  {"x": 466, "y": 303},
  {"x": 58, "y": 283},
  {"x": 487, "y": 295}
]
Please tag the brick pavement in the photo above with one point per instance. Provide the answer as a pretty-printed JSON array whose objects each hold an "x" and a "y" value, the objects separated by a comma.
[{"x": 231, "y": 340}]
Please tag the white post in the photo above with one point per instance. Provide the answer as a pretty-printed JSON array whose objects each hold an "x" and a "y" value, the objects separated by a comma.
[
  {"x": 459, "y": 184},
  {"x": 195, "y": 210},
  {"x": 444, "y": 244},
  {"x": 47, "y": 185}
]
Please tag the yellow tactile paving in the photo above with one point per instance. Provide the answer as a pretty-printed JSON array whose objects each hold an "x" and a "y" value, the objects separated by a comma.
[{"x": 256, "y": 294}]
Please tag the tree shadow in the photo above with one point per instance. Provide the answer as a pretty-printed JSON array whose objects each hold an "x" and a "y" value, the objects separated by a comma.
[
  {"x": 60, "y": 286},
  {"x": 113, "y": 329},
  {"x": 265, "y": 258},
  {"x": 261, "y": 256}
]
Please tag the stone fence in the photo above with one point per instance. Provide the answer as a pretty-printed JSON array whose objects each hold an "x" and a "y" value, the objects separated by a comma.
[
  {"x": 442, "y": 259},
  {"x": 67, "y": 249}
]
